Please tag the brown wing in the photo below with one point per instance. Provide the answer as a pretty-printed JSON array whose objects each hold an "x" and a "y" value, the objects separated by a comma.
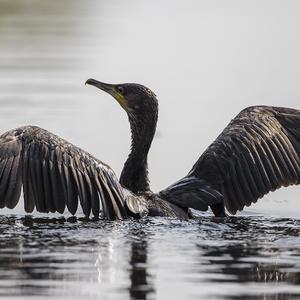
[
  {"x": 55, "y": 174},
  {"x": 258, "y": 152}
]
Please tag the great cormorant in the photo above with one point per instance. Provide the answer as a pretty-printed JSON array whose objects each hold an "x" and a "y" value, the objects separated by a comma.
[{"x": 258, "y": 152}]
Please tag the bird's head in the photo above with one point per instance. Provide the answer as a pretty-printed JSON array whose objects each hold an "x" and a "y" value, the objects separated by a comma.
[
  {"x": 141, "y": 106},
  {"x": 136, "y": 99}
]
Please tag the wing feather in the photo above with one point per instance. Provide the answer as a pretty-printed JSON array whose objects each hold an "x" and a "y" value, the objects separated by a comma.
[
  {"x": 258, "y": 152},
  {"x": 15, "y": 185},
  {"x": 50, "y": 206},
  {"x": 72, "y": 195},
  {"x": 29, "y": 200},
  {"x": 5, "y": 181},
  {"x": 54, "y": 174}
]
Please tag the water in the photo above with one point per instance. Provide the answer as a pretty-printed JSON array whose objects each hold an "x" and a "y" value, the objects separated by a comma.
[
  {"x": 238, "y": 258},
  {"x": 206, "y": 60}
]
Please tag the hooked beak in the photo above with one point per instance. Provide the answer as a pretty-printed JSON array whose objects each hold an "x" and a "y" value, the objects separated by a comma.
[{"x": 110, "y": 89}]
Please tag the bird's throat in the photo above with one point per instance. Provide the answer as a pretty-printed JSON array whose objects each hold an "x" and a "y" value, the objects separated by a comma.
[{"x": 135, "y": 172}]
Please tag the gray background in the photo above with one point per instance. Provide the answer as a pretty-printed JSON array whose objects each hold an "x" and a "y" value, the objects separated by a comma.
[{"x": 205, "y": 60}]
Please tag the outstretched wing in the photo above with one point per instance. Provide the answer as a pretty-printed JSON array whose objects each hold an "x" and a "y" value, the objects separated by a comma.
[
  {"x": 55, "y": 174},
  {"x": 258, "y": 152}
]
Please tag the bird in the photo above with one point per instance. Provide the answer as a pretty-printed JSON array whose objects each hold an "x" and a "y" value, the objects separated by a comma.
[{"x": 257, "y": 152}]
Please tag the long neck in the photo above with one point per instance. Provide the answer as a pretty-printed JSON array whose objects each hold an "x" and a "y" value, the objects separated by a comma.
[{"x": 135, "y": 172}]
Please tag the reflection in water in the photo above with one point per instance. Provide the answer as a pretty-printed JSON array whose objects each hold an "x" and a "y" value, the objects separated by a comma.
[
  {"x": 237, "y": 266},
  {"x": 255, "y": 251},
  {"x": 46, "y": 258},
  {"x": 139, "y": 277},
  {"x": 244, "y": 258},
  {"x": 115, "y": 255}
]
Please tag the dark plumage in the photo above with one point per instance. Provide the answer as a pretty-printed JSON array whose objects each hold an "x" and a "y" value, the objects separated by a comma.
[{"x": 258, "y": 152}]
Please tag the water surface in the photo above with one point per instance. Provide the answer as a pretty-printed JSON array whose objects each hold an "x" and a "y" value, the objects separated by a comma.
[{"x": 209, "y": 258}]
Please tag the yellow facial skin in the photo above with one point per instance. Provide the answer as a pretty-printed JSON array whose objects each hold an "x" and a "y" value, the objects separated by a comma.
[
  {"x": 110, "y": 89},
  {"x": 120, "y": 98}
]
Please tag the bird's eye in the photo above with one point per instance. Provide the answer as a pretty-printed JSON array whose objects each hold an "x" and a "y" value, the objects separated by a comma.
[{"x": 120, "y": 89}]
